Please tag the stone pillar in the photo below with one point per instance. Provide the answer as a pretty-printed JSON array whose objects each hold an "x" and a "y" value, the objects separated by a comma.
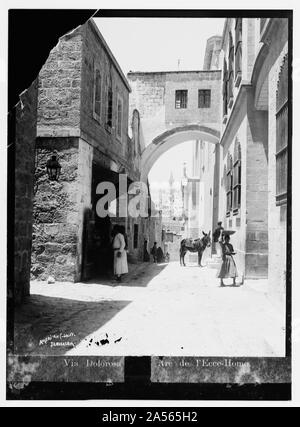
[{"x": 256, "y": 256}]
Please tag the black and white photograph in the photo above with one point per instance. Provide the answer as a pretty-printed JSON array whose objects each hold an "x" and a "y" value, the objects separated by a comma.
[{"x": 149, "y": 200}]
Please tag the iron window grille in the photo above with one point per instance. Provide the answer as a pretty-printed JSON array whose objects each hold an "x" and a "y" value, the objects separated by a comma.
[{"x": 181, "y": 97}]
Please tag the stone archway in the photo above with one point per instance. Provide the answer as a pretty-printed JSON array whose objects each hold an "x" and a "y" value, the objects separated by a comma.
[
  {"x": 169, "y": 139},
  {"x": 178, "y": 135}
]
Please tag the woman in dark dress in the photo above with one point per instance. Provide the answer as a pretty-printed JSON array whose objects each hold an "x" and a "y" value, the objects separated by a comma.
[{"x": 228, "y": 268}]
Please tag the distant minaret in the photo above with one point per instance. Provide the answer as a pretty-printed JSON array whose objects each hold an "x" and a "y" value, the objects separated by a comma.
[{"x": 172, "y": 194}]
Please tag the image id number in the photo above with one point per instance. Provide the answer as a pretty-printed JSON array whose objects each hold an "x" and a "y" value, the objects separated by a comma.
[{"x": 171, "y": 416}]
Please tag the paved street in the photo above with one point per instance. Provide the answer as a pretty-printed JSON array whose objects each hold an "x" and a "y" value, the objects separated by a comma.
[{"x": 157, "y": 310}]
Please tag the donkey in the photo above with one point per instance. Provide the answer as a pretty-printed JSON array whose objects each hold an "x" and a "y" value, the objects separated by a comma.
[{"x": 198, "y": 245}]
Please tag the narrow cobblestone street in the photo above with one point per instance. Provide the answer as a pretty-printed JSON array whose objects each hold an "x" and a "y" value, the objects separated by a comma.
[{"x": 157, "y": 310}]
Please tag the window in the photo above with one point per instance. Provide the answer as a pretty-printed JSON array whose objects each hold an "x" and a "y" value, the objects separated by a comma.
[
  {"x": 109, "y": 105},
  {"x": 229, "y": 185},
  {"x": 224, "y": 177},
  {"x": 119, "y": 117},
  {"x": 204, "y": 98},
  {"x": 238, "y": 50},
  {"x": 237, "y": 174},
  {"x": 230, "y": 70},
  {"x": 181, "y": 98},
  {"x": 135, "y": 236},
  {"x": 225, "y": 94},
  {"x": 282, "y": 134},
  {"x": 97, "y": 94}
]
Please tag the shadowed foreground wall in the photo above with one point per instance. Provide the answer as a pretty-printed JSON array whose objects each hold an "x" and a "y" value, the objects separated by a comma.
[{"x": 24, "y": 135}]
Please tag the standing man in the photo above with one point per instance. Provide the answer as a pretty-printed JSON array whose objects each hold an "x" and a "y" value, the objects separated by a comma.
[
  {"x": 217, "y": 236},
  {"x": 120, "y": 254},
  {"x": 154, "y": 252}
]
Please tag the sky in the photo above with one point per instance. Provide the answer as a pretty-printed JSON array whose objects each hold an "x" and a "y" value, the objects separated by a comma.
[{"x": 157, "y": 44}]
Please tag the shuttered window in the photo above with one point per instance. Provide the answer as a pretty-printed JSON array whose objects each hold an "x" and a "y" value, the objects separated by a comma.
[
  {"x": 230, "y": 67},
  {"x": 204, "y": 96},
  {"x": 238, "y": 46},
  {"x": 119, "y": 117},
  {"x": 225, "y": 89},
  {"x": 229, "y": 185},
  {"x": 237, "y": 174},
  {"x": 97, "y": 93},
  {"x": 282, "y": 134},
  {"x": 109, "y": 106}
]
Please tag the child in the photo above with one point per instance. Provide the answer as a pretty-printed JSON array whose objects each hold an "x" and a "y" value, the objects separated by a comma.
[{"x": 228, "y": 267}]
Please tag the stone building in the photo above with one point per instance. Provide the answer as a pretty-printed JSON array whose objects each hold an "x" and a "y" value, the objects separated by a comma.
[
  {"x": 253, "y": 180},
  {"x": 83, "y": 118},
  {"x": 270, "y": 79},
  {"x": 201, "y": 189},
  {"x": 172, "y": 110}
]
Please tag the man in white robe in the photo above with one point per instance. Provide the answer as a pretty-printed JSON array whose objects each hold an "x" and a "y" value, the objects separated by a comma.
[{"x": 120, "y": 254}]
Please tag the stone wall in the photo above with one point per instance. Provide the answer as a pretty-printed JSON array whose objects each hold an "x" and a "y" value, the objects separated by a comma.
[
  {"x": 55, "y": 213},
  {"x": 192, "y": 82},
  {"x": 257, "y": 192},
  {"x": 277, "y": 214},
  {"x": 59, "y": 88},
  {"x": 153, "y": 95},
  {"x": 250, "y": 222},
  {"x": 67, "y": 125},
  {"x": 147, "y": 96},
  {"x": 94, "y": 130},
  {"x": 24, "y": 139}
]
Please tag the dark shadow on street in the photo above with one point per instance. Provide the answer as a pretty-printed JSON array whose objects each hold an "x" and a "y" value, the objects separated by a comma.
[
  {"x": 41, "y": 318},
  {"x": 139, "y": 276}
]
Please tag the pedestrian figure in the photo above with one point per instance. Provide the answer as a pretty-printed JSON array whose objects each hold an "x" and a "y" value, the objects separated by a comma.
[
  {"x": 154, "y": 252},
  {"x": 123, "y": 231},
  {"x": 160, "y": 255},
  {"x": 120, "y": 254},
  {"x": 217, "y": 236},
  {"x": 228, "y": 268},
  {"x": 146, "y": 257}
]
